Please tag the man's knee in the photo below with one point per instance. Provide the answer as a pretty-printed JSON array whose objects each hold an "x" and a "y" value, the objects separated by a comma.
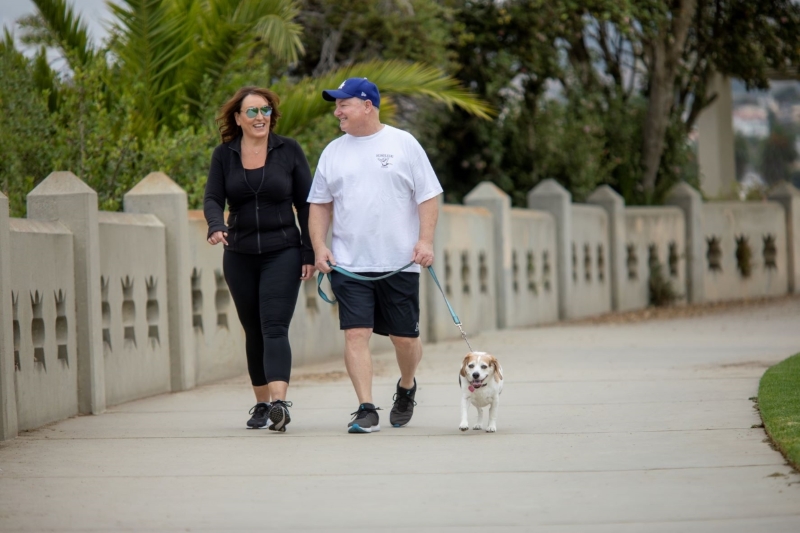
[
  {"x": 357, "y": 335},
  {"x": 404, "y": 343}
]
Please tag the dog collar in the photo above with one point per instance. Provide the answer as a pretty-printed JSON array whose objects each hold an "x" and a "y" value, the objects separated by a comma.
[{"x": 472, "y": 388}]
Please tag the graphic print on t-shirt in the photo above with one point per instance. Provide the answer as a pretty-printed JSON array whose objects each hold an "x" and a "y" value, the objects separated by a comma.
[{"x": 384, "y": 159}]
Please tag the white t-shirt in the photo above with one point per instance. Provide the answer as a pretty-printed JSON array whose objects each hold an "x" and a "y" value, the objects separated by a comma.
[{"x": 375, "y": 184}]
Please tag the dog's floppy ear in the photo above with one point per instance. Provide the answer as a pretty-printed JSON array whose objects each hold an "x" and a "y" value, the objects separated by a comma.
[
  {"x": 464, "y": 364},
  {"x": 497, "y": 374}
]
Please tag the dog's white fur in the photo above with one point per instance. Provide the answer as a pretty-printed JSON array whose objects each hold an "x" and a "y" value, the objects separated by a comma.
[{"x": 480, "y": 368}]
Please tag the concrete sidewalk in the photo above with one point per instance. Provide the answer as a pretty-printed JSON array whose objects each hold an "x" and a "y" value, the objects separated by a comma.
[{"x": 603, "y": 428}]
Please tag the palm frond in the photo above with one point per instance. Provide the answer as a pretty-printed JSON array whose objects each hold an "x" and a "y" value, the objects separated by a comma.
[
  {"x": 302, "y": 102},
  {"x": 229, "y": 27},
  {"x": 153, "y": 41},
  {"x": 7, "y": 43},
  {"x": 274, "y": 26},
  {"x": 67, "y": 30}
]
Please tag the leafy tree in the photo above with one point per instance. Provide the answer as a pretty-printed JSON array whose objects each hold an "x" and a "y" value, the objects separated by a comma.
[
  {"x": 146, "y": 100},
  {"x": 345, "y": 32},
  {"x": 505, "y": 53},
  {"x": 25, "y": 126},
  {"x": 633, "y": 74},
  {"x": 670, "y": 51}
]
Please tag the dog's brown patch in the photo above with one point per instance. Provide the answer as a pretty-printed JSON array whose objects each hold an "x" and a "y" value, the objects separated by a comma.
[
  {"x": 467, "y": 359},
  {"x": 494, "y": 364}
]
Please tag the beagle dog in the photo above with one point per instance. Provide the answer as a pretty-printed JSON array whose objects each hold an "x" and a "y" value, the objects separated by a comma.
[{"x": 481, "y": 381}]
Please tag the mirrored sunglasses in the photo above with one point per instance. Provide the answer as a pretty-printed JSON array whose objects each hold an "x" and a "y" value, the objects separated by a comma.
[{"x": 252, "y": 112}]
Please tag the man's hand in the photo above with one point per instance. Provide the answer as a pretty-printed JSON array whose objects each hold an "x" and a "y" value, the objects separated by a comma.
[
  {"x": 307, "y": 272},
  {"x": 322, "y": 256},
  {"x": 423, "y": 253},
  {"x": 218, "y": 237}
]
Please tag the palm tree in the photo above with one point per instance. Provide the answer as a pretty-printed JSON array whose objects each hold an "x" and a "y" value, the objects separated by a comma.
[
  {"x": 304, "y": 103},
  {"x": 162, "y": 52}
]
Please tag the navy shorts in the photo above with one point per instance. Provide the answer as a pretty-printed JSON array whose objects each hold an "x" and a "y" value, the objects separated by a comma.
[{"x": 389, "y": 306}]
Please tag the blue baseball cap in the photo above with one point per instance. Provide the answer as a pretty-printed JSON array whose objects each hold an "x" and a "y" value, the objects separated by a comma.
[{"x": 355, "y": 88}]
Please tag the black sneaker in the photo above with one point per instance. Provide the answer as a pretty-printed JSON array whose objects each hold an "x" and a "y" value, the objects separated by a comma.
[
  {"x": 403, "y": 407},
  {"x": 259, "y": 418},
  {"x": 365, "y": 420},
  {"x": 279, "y": 415}
]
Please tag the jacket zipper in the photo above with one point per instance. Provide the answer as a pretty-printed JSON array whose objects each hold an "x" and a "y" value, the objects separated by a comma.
[
  {"x": 255, "y": 193},
  {"x": 258, "y": 224}
]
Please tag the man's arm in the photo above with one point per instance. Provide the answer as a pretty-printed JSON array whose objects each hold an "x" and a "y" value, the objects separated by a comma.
[
  {"x": 319, "y": 219},
  {"x": 428, "y": 216}
]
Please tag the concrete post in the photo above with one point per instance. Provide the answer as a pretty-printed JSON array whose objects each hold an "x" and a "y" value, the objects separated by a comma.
[
  {"x": 159, "y": 195},
  {"x": 689, "y": 200},
  {"x": 431, "y": 292},
  {"x": 64, "y": 197},
  {"x": 789, "y": 197},
  {"x": 550, "y": 196},
  {"x": 715, "y": 142},
  {"x": 490, "y": 196},
  {"x": 8, "y": 397},
  {"x": 614, "y": 205}
]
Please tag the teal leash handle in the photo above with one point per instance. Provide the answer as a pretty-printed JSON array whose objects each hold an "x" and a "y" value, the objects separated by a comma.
[
  {"x": 353, "y": 275},
  {"x": 349, "y": 274}
]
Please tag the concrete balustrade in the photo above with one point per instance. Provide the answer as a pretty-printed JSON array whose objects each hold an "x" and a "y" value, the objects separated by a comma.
[
  {"x": 552, "y": 198},
  {"x": 100, "y": 308},
  {"x": 614, "y": 205},
  {"x": 582, "y": 242},
  {"x": 463, "y": 247},
  {"x": 743, "y": 244},
  {"x": 655, "y": 237},
  {"x": 789, "y": 197},
  {"x": 64, "y": 197},
  {"x": 135, "y": 332},
  {"x": 689, "y": 201},
  {"x": 8, "y": 340},
  {"x": 218, "y": 335},
  {"x": 157, "y": 194},
  {"x": 44, "y": 304}
]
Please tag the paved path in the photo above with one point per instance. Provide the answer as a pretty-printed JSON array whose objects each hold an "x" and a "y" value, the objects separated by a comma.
[{"x": 604, "y": 428}]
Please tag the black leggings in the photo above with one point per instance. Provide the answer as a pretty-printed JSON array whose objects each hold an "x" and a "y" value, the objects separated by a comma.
[{"x": 264, "y": 289}]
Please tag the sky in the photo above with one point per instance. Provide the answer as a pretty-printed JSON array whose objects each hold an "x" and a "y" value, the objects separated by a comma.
[{"x": 92, "y": 13}]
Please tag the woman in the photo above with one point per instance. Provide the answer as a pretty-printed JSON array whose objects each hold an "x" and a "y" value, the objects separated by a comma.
[{"x": 261, "y": 175}]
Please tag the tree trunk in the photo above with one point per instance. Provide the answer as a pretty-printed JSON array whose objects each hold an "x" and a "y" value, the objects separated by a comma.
[{"x": 665, "y": 52}]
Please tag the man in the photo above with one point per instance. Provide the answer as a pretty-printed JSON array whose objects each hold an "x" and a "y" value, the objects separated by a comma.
[{"x": 379, "y": 186}]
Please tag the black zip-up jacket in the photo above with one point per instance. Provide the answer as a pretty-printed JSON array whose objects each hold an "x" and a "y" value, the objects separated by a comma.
[{"x": 260, "y": 219}]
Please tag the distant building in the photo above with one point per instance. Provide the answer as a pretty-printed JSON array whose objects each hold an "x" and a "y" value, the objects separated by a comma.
[{"x": 751, "y": 120}]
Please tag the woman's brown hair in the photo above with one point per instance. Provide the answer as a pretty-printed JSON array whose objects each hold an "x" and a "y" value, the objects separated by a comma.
[{"x": 228, "y": 129}]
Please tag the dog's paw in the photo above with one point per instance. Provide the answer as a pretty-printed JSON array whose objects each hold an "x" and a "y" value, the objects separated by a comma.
[
  {"x": 464, "y": 426},
  {"x": 477, "y": 426},
  {"x": 491, "y": 429}
]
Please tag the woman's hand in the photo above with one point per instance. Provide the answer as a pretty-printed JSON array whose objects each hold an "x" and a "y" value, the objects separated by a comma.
[
  {"x": 307, "y": 272},
  {"x": 218, "y": 237}
]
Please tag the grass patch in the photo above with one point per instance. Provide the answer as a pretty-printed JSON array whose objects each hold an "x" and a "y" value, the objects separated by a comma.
[{"x": 779, "y": 403}]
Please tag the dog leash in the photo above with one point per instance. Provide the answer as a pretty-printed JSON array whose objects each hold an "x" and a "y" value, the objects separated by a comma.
[{"x": 365, "y": 278}]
